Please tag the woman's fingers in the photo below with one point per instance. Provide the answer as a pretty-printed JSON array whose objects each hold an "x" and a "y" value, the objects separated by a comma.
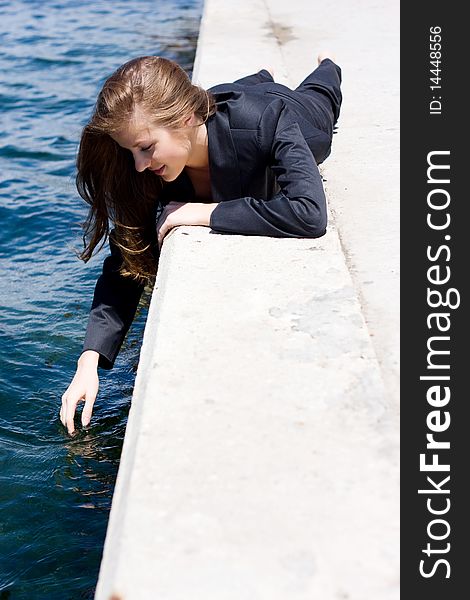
[
  {"x": 71, "y": 406},
  {"x": 88, "y": 409},
  {"x": 162, "y": 229},
  {"x": 63, "y": 410},
  {"x": 164, "y": 224}
]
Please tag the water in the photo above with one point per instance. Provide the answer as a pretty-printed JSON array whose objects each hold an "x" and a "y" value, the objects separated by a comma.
[{"x": 56, "y": 491}]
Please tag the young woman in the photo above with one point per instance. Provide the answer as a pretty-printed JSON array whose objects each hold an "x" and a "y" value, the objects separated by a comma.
[{"x": 160, "y": 152}]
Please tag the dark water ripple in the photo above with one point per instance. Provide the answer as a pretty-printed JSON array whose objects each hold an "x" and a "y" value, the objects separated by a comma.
[{"x": 55, "y": 491}]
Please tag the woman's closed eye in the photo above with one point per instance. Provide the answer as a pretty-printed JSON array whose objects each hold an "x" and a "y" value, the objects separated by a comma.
[{"x": 147, "y": 148}]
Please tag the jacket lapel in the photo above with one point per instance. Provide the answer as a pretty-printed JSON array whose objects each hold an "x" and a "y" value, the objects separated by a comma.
[{"x": 223, "y": 160}]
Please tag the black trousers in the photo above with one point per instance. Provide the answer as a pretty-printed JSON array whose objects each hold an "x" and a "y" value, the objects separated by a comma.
[{"x": 319, "y": 93}]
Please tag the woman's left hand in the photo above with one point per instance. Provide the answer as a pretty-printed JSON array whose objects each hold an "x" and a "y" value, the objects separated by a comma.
[{"x": 183, "y": 213}]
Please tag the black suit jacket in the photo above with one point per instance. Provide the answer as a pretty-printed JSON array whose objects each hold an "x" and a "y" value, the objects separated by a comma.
[{"x": 265, "y": 142}]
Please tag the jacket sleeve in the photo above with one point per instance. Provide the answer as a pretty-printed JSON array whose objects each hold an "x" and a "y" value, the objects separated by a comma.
[
  {"x": 113, "y": 309},
  {"x": 297, "y": 210}
]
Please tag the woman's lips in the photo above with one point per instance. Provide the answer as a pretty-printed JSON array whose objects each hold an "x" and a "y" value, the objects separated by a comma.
[{"x": 159, "y": 171}]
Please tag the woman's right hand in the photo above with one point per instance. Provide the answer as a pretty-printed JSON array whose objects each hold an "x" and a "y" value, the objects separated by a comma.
[{"x": 84, "y": 387}]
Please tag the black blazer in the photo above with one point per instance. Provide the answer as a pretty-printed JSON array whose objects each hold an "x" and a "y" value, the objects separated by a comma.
[{"x": 265, "y": 142}]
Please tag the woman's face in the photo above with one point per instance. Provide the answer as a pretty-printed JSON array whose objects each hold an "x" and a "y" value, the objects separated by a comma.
[{"x": 163, "y": 151}]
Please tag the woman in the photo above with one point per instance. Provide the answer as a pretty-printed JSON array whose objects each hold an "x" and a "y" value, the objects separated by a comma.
[{"x": 240, "y": 158}]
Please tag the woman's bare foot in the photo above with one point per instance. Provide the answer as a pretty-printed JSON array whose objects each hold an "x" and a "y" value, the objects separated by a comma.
[{"x": 325, "y": 54}]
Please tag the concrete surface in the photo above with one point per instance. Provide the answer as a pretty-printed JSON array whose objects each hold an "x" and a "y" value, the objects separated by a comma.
[
  {"x": 261, "y": 453},
  {"x": 362, "y": 171}
]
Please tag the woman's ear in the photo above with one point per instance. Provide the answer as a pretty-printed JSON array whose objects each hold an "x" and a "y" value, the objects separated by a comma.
[{"x": 191, "y": 121}]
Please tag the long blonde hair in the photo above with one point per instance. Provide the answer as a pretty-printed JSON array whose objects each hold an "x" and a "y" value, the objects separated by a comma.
[{"x": 106, "y": 177}]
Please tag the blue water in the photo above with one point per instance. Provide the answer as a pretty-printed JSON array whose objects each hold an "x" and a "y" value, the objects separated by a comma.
[{"x": 56, "y": 491}]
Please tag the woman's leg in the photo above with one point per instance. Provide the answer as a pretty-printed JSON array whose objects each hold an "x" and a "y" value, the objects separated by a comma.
[
  {"x": 263, "y": 76},
  {"x": 324, "y": 85}
]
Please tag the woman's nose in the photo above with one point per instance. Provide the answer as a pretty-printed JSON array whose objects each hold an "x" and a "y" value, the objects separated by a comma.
[{"x": 141, "y": 163}]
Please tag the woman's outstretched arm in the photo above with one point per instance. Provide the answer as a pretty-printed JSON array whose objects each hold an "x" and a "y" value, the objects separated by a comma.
[{"x": 113, "y": 309}]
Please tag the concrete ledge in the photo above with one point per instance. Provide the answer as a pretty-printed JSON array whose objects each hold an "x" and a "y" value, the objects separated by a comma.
[
  {"x": 261, "y": 452},
  {"x": 258, "y": 451}
]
